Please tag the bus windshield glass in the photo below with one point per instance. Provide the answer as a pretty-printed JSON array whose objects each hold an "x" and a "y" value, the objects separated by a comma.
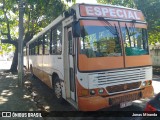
[
  {"x": 99, "y": 39},
  {"x": 135, "y": 39}
]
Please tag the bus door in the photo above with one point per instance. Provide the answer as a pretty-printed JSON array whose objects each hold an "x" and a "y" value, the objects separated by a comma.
[{"x": 71, "y": 64}]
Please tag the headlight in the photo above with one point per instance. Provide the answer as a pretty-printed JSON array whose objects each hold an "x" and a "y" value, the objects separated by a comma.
[
  {"x": 92, "y": 92},
  {"x": 144, "y": 83},
  {"x": 100, "y": 91}
]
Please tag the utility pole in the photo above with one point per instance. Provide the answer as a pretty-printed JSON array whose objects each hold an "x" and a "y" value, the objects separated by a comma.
[{"x": 20, "y": 44}]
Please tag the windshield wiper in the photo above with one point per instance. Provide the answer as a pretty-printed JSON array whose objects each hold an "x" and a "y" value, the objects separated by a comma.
[
  {"x": 132, "y": 32},
  {"x": 109, "y": 26},
  {"x": 128, "y": 34}
]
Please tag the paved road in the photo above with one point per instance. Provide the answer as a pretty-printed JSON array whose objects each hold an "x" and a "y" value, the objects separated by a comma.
[
  {"x": 5, "y": 65},
  {"x": 156, "y": 83}
]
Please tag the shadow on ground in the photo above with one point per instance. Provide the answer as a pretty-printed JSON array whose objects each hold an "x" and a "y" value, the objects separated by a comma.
[{"x": 12, "y": 97}]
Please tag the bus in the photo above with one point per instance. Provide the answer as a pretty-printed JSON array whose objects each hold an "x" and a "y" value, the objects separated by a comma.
[{"x": 94, "y": 56}]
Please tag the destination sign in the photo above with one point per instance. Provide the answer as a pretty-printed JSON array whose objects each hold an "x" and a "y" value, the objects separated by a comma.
[{"x": 110, "y": 12}]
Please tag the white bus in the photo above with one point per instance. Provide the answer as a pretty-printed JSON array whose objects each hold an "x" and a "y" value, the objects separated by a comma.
[{"x": 94, "y": 56}]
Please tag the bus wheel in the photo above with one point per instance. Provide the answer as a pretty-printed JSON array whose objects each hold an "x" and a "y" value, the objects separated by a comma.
[{"x": 58, "y": 89}]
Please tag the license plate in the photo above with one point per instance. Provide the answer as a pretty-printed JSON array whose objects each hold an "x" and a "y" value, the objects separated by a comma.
[{"x": 125, "y": 104}]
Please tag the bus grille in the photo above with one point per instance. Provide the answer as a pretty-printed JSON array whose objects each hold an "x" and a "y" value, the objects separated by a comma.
[
  {"x": 123, "y": 87},
  {"x": 120, "y": 80}
]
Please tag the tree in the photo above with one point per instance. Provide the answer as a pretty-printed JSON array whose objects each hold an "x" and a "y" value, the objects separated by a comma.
[
  {"x": 38, "y": 14},
  {"x": 150, "y": 9},
  {"x": 6, "y": 31},
  {"x": 127, "y": 3}
]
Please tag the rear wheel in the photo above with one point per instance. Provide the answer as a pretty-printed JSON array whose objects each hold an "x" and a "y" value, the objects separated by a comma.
[{"x": 58, "y": 89}]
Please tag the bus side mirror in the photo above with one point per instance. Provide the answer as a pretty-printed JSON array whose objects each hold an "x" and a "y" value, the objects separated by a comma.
[{"x": 76, "y": 29}]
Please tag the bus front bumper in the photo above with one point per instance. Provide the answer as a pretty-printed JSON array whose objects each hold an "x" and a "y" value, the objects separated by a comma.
[{"x": 93, "y": 103}]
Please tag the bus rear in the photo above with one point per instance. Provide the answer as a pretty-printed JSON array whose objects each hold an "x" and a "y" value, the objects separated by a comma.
[{"x": 113, "y": 65}]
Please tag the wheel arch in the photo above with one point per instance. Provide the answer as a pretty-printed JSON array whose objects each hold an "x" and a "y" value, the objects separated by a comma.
[{"x": 60, "y": 76}]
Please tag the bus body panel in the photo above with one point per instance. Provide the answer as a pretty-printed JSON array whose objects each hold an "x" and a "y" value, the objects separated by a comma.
[
  {"x": 46, "y": 66},
  {"x": 133, "y": 61},
  {"x": 94, "y": 103}
]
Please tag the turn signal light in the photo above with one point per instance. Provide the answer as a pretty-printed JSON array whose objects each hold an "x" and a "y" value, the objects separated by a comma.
[
  {"x": 84, "y": 92},
  {"x": 149, "y": 82}
]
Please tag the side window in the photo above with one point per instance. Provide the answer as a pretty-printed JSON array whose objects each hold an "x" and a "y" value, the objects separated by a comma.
[
  {"x": 32, "y": 48},
  {"x": 56, "y": 42},
  {"x": 59, "y": 39},
  {"x": 70, "y": 43},
  {"x": 46, "y": 43},
  {"x": 29, "y": 49},
  {"x": 25, "y": 51},
  {"x": 40, "y": 42},
  {"x": 36, "y": 47},
  {"x": 53, "y": 42}
]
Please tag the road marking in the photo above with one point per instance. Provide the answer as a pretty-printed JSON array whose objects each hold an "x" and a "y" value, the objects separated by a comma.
[{"x": 156, "y": 87}]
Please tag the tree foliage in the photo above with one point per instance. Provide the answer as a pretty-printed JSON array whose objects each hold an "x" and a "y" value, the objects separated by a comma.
[
  {"x": 6, "y": 48},
  {"x": 127, "y": 3},
  {"x": 38, "y": 14},
  {"x": 150, "y": 9}
]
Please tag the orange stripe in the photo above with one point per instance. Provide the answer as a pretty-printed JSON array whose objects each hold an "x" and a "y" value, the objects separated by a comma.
[
  {"x": 96, "y": 22},
  {"x": 92, "y": 103},
  {"x": 132, "y": 61},
  {"x": 43, "y": 76},
  {"x": 137, "y": 25},
  {"x": 113, "y": 23},
  {"x": 101, "y": 63},
  {"x": 46, "y": 79}
]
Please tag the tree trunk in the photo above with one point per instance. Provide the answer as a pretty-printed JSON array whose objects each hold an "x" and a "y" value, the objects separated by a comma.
[{"x": 14, "y": 64}]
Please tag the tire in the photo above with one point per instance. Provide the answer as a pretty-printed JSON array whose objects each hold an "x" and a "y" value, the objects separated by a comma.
[{"x": 57, "y": 89}]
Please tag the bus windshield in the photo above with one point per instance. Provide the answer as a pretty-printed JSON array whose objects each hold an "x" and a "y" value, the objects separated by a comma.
[
  {"x": 100, "y": 39},
  {"x": 135, "y": 39}
]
